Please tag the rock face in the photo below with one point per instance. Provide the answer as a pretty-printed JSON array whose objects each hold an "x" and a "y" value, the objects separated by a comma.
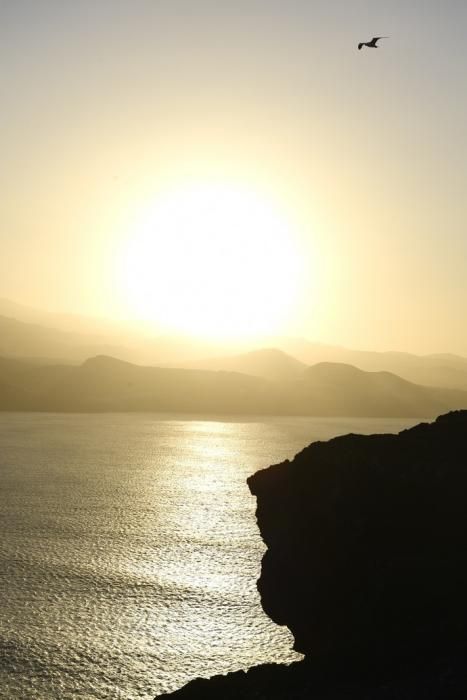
[
  {"x": 367, "y": 565},
  {"x": 367, "y": 546},
  {"x": 445, "y": 680}
]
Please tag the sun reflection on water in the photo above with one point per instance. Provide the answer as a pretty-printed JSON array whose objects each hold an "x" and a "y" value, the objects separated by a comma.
[{"x": 130, "y": 560}]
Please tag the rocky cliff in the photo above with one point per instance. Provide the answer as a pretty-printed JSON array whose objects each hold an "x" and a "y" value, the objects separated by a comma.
[{"x": 367, "y": 565}]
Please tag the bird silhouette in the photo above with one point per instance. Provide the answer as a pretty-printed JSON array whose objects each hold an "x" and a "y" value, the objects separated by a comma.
[{"x": 372, "y": 44}]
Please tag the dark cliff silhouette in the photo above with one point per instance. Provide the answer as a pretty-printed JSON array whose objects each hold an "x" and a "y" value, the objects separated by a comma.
[
  {"x": 370, "y": 534},
  {"x": 367, "y": 565}
]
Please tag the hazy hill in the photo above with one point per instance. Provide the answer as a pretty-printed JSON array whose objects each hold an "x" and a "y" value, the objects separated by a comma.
[
  {"x": 432, "y": 370},
  {"x": 107, "y": 384},
  {"x": 31, "y": 340},
  {"x": 66, "y": 322},
  {"x": 269, "y": 363},
  {"x": 29, "y": 333},
  {"x": 339, "y": 389}
]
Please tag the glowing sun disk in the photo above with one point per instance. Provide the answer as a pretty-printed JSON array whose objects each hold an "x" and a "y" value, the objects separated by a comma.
[{"x": 212, "y": 260}]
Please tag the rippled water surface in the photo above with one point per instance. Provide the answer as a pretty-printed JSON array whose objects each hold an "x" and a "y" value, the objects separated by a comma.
[{"x": 129, "y": 549}]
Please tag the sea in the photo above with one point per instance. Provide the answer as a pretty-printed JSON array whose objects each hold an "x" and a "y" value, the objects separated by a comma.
[{"x": 129, "y": 549}]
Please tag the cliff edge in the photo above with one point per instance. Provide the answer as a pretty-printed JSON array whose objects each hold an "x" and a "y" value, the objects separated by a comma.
[{"x": 367, "y": 566}]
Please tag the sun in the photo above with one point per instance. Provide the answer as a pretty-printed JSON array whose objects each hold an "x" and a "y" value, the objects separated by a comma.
[{"x": 214, "y": 261}]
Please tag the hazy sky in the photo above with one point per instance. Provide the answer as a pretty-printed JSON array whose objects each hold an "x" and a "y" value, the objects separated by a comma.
[{"x": 104, "y": 103}]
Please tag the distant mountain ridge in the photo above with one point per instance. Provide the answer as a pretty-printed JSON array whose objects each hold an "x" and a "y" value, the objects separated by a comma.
[
  {"x": 268, "y": 363},
  {"x": 19, "y": 339},
  {"x": 441, "y": 369},
  {"x": 341, "y": 389},
  {"x": 32, "y": 334},
  {"x": 67, "y": 338},
  {"x": 107, "y": 384}
]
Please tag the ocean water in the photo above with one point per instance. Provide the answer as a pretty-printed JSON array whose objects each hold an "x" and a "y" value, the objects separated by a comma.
[{"x": 129, "y": 550}]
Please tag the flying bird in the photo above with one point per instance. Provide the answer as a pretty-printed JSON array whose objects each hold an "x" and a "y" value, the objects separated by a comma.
[{"x": 372, "y": 44}]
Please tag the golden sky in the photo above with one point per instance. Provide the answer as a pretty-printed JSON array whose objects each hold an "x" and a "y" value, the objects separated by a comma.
[{"x": 117, "y": 114}]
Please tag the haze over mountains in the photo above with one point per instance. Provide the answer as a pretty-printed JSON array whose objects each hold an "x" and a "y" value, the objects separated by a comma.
[
  {"x": 31, "y": 333},
  {"x": 77, "y": 364},
  {"x": 107, "y": 384},
  {"x": 430, "y": 370},
  {"x": 433, "y": 370}
]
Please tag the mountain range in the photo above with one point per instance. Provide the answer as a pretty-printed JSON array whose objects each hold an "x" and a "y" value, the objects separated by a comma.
[
  {"x": 108, "y": 384},
  {"x": 44, "y": 336},
  {"x": 54, "y": 362}
]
